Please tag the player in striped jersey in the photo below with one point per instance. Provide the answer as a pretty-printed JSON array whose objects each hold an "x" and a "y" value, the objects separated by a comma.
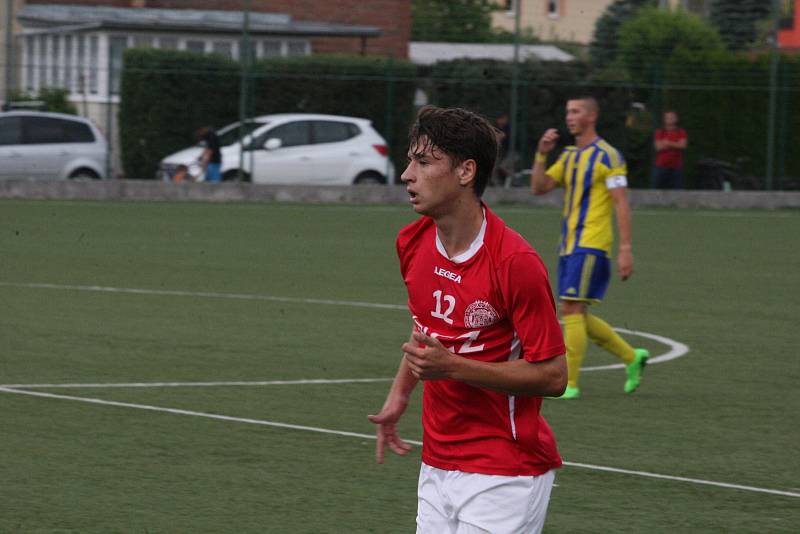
[{"x": 593, "y": 175}]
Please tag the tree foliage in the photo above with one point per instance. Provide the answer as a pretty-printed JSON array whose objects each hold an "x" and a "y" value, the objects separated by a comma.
[
  {"x": 739, "y": 21},
  {"x": 452, "y": 20},
  {"x": 657, "y": 40},
  {"x": 603, "y": 48},
  {"x": 55, "y": 99}
]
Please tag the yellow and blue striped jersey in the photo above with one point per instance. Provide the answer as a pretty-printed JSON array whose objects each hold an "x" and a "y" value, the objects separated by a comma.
[{"x": 584, "y": 175}]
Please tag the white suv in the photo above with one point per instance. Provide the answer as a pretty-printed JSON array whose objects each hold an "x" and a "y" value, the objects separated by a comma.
[
  {"x": 49, "y": 146},
  {"x": 297, "y": 148}
]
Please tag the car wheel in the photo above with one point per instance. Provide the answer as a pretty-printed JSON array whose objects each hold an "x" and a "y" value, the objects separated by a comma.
[
  {"x": 370, "y": 177},
  {"x": 233, "y": 176},
  {"x": 84, "y": 174}
]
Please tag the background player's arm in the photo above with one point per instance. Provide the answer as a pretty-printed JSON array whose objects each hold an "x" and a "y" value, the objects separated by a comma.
[
  {"x": 544, "y": 378},
  {"x": 393, "y": 408},
  {"x": 541, "y": 183},
  {"x": 623, "y": 212}
]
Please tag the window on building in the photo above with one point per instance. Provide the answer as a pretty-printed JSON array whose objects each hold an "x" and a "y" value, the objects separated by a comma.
[
  {"x": 553, "y": 10},
  {"x": 297, "y": 48},
  {"x": 168, "y": 43},
  {"x": 222, "y": 48},
  {"x": 198, "y": 47},
  {"x": 273, "y": 48},
  {"x": 509, "y": 5},
  {"x": 142, "y": 41},
  {"x": 94, "y": 64},
  {"x": 30, "y": 56},
  {"x": 42, "y": 55},
  {"x": 68, "y": 63},
  {"x": 55, "y": 61},
  {"x": 116, "y": 48},
  {"x": 80, "y": 45}
]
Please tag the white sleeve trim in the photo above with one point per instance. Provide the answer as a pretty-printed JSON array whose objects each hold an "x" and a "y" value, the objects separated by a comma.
[{"x": 615, "y": 182}]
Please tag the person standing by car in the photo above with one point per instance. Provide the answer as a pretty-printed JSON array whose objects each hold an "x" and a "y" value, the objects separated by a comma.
[{"x": 211, "y": 158}]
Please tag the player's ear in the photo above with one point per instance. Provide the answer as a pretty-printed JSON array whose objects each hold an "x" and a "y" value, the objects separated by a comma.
[{"x": 466, "y": 172}]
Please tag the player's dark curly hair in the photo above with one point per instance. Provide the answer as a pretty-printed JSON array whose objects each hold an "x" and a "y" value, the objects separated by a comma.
[{"x": 459, "y": 133}]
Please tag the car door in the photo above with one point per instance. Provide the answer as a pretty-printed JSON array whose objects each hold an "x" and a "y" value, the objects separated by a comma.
[
  {"x": 12, "y": 164},
  {"x": 290, "y": 163},
  {"x": 43, "y": 148},
  {"x": 79, "y": 144},
  {"x": 334, "y": 151}
]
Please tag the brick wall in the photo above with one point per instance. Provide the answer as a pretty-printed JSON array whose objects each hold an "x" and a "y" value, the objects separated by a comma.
[{"x": 393, "y": 17}]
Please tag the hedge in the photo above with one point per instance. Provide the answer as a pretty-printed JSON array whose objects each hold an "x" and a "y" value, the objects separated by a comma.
[
  {"x": 167, "y": 95},
  {"x": 722, "y": 100},
  {"x": 724, "y": 106}
]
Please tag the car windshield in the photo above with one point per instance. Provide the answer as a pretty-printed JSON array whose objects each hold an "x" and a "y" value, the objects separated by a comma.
[{"x": 230, "y": 134}]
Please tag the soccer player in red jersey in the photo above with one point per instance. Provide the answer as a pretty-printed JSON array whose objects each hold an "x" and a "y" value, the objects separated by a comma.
[{"x": 485, "y": 341}]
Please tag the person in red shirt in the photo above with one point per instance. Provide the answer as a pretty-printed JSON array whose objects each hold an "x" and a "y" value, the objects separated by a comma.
[
  {"x": 485, "y": 341},
  {"x": 670, "y": 142}
]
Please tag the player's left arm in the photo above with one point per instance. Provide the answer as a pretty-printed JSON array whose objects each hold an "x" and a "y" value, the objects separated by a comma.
[
  {"x": 623, "y": 211},
  {"x": 544, "y": 378}
]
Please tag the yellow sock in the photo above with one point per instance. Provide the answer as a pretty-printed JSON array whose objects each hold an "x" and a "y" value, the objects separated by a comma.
[
  {"x": 603, "y": 335},
  {"x": 576, "y": 340}
]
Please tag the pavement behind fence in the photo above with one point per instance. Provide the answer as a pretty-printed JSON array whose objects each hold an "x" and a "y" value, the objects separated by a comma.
[{"x": 149, "y": 190}]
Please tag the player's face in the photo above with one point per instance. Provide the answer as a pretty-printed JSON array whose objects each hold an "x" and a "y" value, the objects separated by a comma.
[
  {"x": 670, "y": 119},
  {"x": 579, "y": 117},
  {"x": 431, "y": 179}
]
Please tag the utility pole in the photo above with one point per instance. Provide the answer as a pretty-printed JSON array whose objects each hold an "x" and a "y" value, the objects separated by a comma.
[
  {"x": 10, "y": 52},
  {"x": 512, "y": 141},
  {"x": 244, "y": 58},
  {"x": 774, "y": 57}
]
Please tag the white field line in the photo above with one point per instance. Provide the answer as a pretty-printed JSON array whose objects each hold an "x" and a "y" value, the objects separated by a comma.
[
  {"x": 226, "y": 418},
  {"x": 304, "y": 381},
  {"x": 205, "y": 294}
]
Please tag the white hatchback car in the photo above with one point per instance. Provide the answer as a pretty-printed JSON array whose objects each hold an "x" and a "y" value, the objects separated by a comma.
[
  {"x": 35, "y": 144},
  {"x": 297, "y": 148}
]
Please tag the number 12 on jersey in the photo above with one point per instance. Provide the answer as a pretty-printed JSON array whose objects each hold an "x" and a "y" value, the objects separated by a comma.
[{"x": 450, "y": 300}]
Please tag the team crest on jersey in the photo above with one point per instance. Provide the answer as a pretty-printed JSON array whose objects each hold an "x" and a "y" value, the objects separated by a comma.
[{"x": 480, "y": 314}]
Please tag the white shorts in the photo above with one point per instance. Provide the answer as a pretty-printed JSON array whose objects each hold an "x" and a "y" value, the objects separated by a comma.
[{"x": 454, "y": 502}]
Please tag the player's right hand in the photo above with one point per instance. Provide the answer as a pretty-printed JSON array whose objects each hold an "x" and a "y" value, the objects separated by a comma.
[
  {"x": 548, "y": 141},
  {"x": 386, "y": 433}
]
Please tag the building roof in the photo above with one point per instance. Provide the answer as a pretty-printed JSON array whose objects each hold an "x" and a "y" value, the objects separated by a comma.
[
  {"x": 43, "y": 16},
  {"x": 423, "y": 53}
]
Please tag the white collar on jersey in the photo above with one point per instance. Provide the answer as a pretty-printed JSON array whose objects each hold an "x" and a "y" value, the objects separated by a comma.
[{"x": 471, "y": 251}]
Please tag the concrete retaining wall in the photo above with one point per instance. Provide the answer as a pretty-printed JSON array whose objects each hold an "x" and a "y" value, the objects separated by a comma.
[{"x": 148, "y": 190}]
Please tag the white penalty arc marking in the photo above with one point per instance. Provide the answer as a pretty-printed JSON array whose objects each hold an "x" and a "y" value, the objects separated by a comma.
[
  {"x": 218, "y": 417},
  {"x": 676, "y": 350}
]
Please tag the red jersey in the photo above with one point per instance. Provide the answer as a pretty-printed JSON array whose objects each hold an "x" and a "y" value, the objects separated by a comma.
[
  {"x": 492, "y": 303},
  {"x": 671, "y": 158}
]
